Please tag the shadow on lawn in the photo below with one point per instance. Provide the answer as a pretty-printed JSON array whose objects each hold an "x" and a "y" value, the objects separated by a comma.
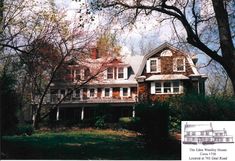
[{"x": 83, "y": 146}]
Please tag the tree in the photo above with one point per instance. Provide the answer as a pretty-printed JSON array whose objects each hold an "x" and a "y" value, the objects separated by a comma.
[
  {"x": 9, "y": 101},
  {"x": 41, "y": 41},
  {"x": 208, "y": 25},
  {"x": 107, "y": 45}
]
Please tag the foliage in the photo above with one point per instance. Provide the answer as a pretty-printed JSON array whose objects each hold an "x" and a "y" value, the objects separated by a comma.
[
  {"x": 24, "y": 129},
  {"x": 9, "y": 103},
  {"x": 107, "y": 45},
  {"x": 129, "y": 123},
  {"x": 99, "y": 123},
  {"x": 154, "y": 123},
  {"x": 200, "y": 108}
]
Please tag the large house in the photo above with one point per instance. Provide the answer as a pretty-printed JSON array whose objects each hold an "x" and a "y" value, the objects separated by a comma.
[{"x": 122, "y": 82}]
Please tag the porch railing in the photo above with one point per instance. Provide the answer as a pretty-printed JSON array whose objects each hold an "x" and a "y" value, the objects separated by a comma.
[{"x": 54, "y": 98}]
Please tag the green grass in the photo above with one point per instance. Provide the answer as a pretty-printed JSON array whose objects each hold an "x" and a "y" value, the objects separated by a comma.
[{"x": 80, "y": 144}]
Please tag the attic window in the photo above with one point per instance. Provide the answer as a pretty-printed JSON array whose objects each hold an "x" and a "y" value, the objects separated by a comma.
[
  {"x": 78, "y": 74},
  {"x": 120, "y": 72},
  {"x": 166, "y": 53},
  {"x": 179, "y": 65},
  {"x": 110, "y": 73}
]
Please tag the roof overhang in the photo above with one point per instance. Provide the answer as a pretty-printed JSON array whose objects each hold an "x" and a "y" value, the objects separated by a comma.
[{"x": 167, "y": 77}]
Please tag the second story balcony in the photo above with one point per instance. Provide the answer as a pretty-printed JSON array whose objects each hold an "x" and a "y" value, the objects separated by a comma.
[{"x": 55, "y": 98}]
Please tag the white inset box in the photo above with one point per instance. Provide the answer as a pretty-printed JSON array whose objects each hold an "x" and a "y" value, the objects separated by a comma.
[{"x": 208, "y": 140}]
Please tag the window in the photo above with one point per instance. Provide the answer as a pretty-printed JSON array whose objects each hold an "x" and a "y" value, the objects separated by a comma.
[
  {"x": 176, "y": 87},
  {"x": 77, "y": 74},
  {"x": 161, "y": 87},
  {"x": 207, "y": 133},
  {"x": 167, "y": 87},
  {"x": 110, "y": 73},
  {"x": 193, "y": 133},
  {"x": 153, "y": 65},
  {"x": 202, "y": 133},
  {"x": 92, "y": 92},
  {"x": 86, "y": 73},
  {"x": 179, "y": 65},
  {"x": 166, "y": 53},
  {"x": 77, "y": 93},
  {"x": 106, "y": 92},
  {"x": 158, "y": 87},
  {"x": 125, "y": 92},
  {"x": 120, "y": 72}
]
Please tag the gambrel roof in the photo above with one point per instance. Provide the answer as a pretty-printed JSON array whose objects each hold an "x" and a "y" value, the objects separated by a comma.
[{"x": 167, "y": 47}]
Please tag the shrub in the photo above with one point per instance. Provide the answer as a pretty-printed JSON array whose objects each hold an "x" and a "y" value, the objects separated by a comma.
[
  {"x": 23, "y": 129},
  {"x": 153, "y": 123},
  {"x": 200, "y": 108},
  {"x": 100, "y": 122},
  {"x": 129, "y": 123}
]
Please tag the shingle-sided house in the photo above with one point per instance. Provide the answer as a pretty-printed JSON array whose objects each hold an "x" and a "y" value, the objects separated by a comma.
[{"x": 124, "y": 81}]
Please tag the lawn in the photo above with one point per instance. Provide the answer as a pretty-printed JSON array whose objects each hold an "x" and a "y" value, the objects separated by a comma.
[{"x": 82, "y": 144}]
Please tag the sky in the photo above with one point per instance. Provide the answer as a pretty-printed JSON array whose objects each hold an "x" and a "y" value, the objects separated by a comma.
[{"x": 130, "y": 38}]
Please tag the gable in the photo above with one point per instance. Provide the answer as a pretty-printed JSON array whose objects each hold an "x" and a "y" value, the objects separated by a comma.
[{"x": 165, "y": 55}]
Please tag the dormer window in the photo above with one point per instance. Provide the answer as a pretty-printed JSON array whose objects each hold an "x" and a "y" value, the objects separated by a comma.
[
  {"x": 86, "y": 73},
  {"x": 78, "y": 74},
  {"x": 120, "y": 72},
  {"x": 110, "y": 73},
  {"x": 153, "y": 65},
  {"x": 179, "y": 65}
]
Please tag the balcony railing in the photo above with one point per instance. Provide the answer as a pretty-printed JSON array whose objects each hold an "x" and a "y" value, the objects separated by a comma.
[{"x": 54, "y": 98}]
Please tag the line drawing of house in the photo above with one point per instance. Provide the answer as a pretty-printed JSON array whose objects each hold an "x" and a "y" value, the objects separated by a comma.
[{"x": 205, "y": 134}]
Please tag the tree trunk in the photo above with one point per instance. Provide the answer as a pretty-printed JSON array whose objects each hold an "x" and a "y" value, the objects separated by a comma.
[
  {"x": 230, "y": 69},
  {"x": 36, "y": 119}
]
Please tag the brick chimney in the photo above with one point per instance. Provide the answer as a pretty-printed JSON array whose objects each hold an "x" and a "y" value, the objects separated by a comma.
[{"x": 94, "y": 53}]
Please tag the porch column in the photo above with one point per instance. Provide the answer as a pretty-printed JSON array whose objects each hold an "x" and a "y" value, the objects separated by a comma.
[
  {"x": 133, "y": 111},
  {"x": 82, "y": 113},
  {"x": 57, "y": 114}
]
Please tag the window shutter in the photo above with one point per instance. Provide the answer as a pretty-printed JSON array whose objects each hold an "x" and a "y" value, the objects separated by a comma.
[
  {"x": 81, "y": 93},
  {"x": 181, "y": 88},
  {"x": 88, "y": 92},
  {"x": 125, "y": 72},
  {"x": 111, "y": 92},
  {"x": 74, "y": 93},
  {"x": 129, "y": 92},
  {"x": 152, "y": 88},
  {"x": 82, "y": 73},
  {"x": 159, "y": 65},
  {"x": 102, "y": 92},
  {"x": 174, "y": 65},
  {"x": 148, "y": 66},
  {"x": 95, "y": 92},
  {"x": 121, "y": 92},
  {"x": 106, "y": 74}
]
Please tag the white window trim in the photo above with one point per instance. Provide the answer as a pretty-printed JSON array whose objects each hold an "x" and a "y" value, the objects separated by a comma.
[
  {"x": 107, "y": 73},
  {"x": 153, "y": 88},
  {"x": 95, "y": 93},
  {"x": 110, "y": 92},
  {"x": 158, "y": 65},
  {"x": 175, "y": 64},
  {"x": 118, "y": 72},
  {"x": 128, "y": 92},
  {"x": 166, "y": 53}
]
